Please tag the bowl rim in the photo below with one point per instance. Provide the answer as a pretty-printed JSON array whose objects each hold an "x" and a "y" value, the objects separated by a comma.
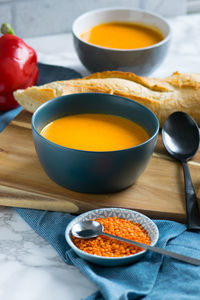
[
  {"x": 73, "y": 246},
  {"x": 163, "y": 41},
  {"x": 42, "y": 106}
]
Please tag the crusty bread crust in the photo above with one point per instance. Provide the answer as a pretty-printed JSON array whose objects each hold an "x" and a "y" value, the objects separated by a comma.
[{"x": 179, "y": 92}]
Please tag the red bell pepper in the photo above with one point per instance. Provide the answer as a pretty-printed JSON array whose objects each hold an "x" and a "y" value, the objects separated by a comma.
[{"x": 18, "y": 67}]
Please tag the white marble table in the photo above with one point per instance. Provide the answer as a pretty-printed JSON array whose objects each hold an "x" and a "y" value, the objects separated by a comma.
[{"x": 29, "y": 267}]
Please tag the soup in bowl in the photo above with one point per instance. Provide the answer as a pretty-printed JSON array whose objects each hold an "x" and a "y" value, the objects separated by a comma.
[
  {"x": 122, "y": 35},
  {"x": 94, "y": 132},
  {"x": 121, "y": 39},
  {"x": 94, "y": 143}
]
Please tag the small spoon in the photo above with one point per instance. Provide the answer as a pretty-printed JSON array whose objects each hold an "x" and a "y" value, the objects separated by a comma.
[
  {"x": 90, "y": 229},
  {"x": 180, "y": 135}
]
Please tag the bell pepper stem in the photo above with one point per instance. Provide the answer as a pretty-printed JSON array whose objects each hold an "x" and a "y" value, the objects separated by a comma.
[{"x": 6, "y": 28}]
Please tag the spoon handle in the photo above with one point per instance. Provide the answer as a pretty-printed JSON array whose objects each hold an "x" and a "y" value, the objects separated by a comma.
[
  {"x": 193, "y": 214},
  {"x": 184, "y": 258}
]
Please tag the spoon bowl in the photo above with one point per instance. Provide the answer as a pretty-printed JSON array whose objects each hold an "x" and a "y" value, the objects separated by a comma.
[
  {"x": 180, "y": 135},
  {"x": 87, "y": 229}
]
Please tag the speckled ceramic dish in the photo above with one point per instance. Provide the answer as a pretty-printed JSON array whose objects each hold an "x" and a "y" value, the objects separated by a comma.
[
  {"x": 127, "y": 214},
  {"x": 141, "y": 61}
]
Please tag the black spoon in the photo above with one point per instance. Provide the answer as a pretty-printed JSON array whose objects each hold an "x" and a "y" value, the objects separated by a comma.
[{"x": 180, "y": 135}]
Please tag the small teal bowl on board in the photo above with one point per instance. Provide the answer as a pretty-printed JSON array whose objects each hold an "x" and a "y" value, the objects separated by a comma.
[
  {"x": 127, "y": 214},
  {"x": 93, "y": 171}
]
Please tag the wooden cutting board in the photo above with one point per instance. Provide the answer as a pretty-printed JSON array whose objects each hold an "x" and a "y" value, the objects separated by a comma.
[{"x": 159, "y": 192}]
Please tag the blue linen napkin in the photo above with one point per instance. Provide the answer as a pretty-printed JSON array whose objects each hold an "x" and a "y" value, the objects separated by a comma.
[
  {"x": 153, "y": 277},
  {"x": 7, "y": 117}
]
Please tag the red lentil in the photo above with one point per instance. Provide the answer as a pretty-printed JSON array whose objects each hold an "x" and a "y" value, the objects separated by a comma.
[{"x": 109, "y": 247}]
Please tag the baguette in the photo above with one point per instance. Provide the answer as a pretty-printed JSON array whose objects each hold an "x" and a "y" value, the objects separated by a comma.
[{"x": 179, "y": 92}]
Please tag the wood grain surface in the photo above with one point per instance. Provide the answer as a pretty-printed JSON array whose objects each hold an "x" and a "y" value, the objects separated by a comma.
[{"x": 159, "y": 192}]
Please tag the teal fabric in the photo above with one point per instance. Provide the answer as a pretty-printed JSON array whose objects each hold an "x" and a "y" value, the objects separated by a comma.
[
  {"x": 153, "y": 277},
  {"x": 7, "y": 117}
]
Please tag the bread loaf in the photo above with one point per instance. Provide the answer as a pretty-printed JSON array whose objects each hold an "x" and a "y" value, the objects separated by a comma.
[{"x": 179, "y": 92}]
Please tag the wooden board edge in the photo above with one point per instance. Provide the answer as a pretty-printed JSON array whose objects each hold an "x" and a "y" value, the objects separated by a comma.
[
  {"x": 13, "y": 197},
  {"x": 62, "y": 208},
  {"x": 21, "y": 124}
]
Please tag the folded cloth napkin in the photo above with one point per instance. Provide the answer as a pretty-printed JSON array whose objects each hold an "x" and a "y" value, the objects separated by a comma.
[
  {"x": 153, "y": 277},
  {"x": 49, "y": 73},
  {"x": 7, "y": 117}
]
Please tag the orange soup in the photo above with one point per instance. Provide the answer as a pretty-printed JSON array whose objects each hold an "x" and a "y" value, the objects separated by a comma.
[
  {"x": 94, "y": 132},
  {"x": 120, "y": 35}
]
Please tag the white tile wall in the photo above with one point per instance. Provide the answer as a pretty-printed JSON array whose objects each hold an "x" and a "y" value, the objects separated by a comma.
[
  {"x": 42, "y": 17},
  {"x": 5, "y": 12}
]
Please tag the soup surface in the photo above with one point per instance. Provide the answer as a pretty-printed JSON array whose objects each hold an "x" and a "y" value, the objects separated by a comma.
[
  {"x": 120, "y": 35},
  {"x": 94, "y": 132}
]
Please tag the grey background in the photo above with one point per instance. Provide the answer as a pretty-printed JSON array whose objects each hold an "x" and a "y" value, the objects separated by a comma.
[{"x": 31, "y": 18}]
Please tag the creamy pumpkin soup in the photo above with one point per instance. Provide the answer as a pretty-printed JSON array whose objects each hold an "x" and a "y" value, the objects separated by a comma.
[
  {"x": 94, "y": 132},
  {"x": 120, "y": 35}
]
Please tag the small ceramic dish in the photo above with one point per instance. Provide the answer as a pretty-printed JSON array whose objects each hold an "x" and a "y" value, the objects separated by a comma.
[
  {"x": 94, "y": 171},
  {"x": 127, "y": 214},
  {"x": 141, "y": 61}
]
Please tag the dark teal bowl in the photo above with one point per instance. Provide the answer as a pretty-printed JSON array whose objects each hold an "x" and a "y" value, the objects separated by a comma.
[{"x": 89, "y": 171}]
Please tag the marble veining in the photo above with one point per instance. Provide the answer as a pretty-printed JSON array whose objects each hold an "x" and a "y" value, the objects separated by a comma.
[{"x": 30, "y": 268}]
